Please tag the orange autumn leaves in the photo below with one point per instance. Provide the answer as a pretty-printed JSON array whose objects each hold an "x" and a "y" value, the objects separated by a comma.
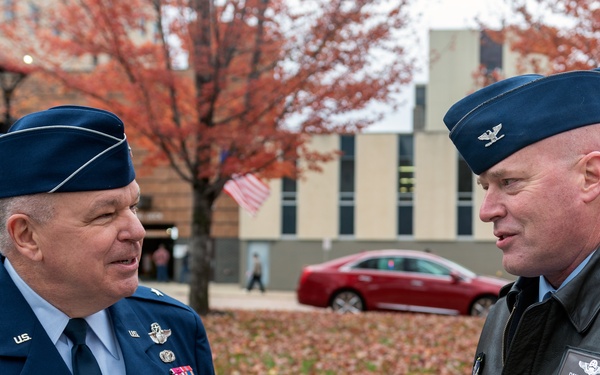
[{"x": 278, "y": 342}]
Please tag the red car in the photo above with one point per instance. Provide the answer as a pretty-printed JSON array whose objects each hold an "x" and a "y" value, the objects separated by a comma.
[{"x": 406, "y": 280}]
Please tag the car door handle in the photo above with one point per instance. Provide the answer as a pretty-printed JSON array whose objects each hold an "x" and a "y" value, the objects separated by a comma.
[
  {"x": 365, "y": 278},
  {"x": 416, "y": 283}
]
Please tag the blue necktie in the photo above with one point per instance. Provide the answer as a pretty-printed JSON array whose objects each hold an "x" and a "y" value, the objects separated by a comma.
[
  {"x": 547, "y": 295},
  {"x": 84, "y": 362}
]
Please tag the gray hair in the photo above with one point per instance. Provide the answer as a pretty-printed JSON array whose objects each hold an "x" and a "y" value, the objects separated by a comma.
[{"x": 39, "y": 207}]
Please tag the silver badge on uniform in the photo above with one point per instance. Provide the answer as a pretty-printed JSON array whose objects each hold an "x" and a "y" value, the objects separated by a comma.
[
  {"x": 159, "y": 335},
  {"x": 133, "y": 333},
  {"x": 167, "y": 356}
]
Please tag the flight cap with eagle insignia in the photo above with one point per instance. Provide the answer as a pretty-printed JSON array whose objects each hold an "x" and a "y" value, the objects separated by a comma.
[
  {"x": 64, "y": 149},
  {"x": 493, "y": 123}
]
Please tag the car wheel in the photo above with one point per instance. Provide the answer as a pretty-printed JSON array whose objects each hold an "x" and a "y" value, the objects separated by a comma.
[
  {"x": 481, "y": 307},
  {"x": 347, "y": 302}
]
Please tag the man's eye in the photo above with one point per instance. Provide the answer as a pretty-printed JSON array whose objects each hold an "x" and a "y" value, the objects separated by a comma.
[
  {"x": 134, "y": 208},
  {"x": 507, "y": 181},
  {"x": 104, "y": 216}
]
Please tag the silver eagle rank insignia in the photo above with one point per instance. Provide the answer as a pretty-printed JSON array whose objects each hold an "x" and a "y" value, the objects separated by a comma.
[{"x": 491, "y": 135}]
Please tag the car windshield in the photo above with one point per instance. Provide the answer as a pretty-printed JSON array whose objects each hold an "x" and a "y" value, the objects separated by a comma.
[{"x": 461, "y": 269}]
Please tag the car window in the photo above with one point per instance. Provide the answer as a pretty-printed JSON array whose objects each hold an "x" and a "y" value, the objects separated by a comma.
[
  {"x": 425, "y": 266},
  {"x": 371, "y": 264},
  {"x": 390, "y": 264},
  {"x": 383, "y": 264}
]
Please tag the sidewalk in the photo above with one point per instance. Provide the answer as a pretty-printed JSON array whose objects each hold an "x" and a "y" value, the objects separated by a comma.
[{"x": 231, "y": 296}]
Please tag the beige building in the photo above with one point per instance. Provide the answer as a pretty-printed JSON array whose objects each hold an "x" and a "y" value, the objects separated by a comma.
[{"x": 409, "y": 191}]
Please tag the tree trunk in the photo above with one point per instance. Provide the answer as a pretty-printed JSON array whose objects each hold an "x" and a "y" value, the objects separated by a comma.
[{"x": 201, "y": 251}]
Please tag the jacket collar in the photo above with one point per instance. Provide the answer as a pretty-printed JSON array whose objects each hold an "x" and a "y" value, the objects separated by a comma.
[{"x": 579, "y": 298}]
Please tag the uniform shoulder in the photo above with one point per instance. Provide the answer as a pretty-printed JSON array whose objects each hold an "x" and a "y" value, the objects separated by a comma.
[{"x": 155, "y": 295}]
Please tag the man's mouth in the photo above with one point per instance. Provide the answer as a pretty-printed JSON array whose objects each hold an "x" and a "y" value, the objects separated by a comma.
[{"x": 126, "y": 261}]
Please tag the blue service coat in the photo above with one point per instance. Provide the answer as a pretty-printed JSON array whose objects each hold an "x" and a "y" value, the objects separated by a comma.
[{"x": 26, "y": 349}]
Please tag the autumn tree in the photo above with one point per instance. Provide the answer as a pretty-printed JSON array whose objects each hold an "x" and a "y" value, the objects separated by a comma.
[
  {"x": 553, "y": 35},
  {"x": 222, "y": 87}
]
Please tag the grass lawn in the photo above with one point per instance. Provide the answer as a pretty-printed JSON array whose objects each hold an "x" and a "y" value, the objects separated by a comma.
[{"x": 280, "y": 342}]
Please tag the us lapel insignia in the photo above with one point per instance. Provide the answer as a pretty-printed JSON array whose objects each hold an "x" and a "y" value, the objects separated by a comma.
[
  {"x": 22, "y": 338},
  {"x": 159, "y": 335},
  {"x": 157, "y": 292},
  {"x": 167, "y": 356}
]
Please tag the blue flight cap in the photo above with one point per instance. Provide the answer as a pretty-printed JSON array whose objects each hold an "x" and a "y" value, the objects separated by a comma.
[
  {"x": 500, "y": 119},
  {"x": 64, "y": 149}
]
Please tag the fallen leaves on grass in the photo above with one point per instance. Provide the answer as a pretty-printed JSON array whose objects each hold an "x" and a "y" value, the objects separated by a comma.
[{"x": 282, "y": 342}]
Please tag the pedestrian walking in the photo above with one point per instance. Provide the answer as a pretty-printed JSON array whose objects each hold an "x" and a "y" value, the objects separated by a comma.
[{"x": 256, "y": 274}]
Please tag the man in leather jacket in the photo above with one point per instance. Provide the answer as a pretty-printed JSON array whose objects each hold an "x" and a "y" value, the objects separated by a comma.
[{"x": 534, "y": 143}]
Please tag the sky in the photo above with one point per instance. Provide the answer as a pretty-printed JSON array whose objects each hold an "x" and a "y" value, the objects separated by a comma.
[{"x": 437, "y": 15}]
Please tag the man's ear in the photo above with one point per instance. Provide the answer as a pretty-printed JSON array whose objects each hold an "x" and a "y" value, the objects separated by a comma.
[
  {"x": 21, "y": 229},
  {"x": 591, "y": 186}
]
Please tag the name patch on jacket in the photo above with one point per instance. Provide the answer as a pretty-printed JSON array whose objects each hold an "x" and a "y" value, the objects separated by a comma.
[{"x": 579, "y": 362}]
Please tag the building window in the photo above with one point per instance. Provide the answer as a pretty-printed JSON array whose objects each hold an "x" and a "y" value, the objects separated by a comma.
[
  {"x": 465, "y": 198},
  {"x": 419, "y": 109},
  {"x": 288, "y": 206},
  {"x": 406, "y": 184},
  {"x": 490, "y": 52},
  {"x": 490, "y": 59},
  {"x": 347, "y": 185}
]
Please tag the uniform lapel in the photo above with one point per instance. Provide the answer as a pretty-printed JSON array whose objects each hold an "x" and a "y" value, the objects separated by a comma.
[
  {"x": 22, "y": 337},
  {"x": 42, "y": 357},
  {"x": 134, "y": 340}
]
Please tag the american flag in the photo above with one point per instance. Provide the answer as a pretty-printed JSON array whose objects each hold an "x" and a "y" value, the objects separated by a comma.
[{"x": 248, "y": 191}]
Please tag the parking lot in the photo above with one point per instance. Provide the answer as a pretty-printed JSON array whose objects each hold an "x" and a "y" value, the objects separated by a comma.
[{"x": 231, "y": 296}]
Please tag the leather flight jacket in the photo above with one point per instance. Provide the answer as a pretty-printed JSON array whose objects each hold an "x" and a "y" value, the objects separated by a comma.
[{"x": 560, "y": 335}]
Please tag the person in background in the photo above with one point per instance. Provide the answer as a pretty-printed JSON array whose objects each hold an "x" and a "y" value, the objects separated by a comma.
[
  {"x": 184, "y": 276},
  {"x": 70, "y": 245},
  {"x": 256, "y": 274},
  {"x": 534, "y": 142},
  {"x": 161, "y": 257}
]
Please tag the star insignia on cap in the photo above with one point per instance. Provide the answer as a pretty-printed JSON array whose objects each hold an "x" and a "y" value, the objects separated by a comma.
[{"x": 491, "y": 135}]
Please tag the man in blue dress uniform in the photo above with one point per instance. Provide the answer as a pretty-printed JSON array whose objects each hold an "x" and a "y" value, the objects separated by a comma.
[{"x": 70, "y": 245}]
